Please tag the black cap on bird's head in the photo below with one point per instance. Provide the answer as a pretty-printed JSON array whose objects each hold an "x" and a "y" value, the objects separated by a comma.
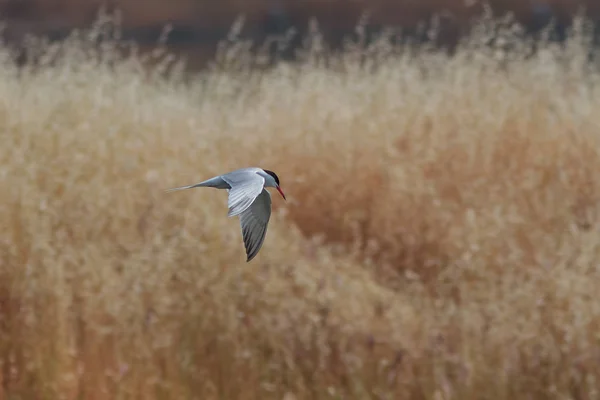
[
  {"x": 276, "y": 178},
  {"x": 273, "y": 174}
]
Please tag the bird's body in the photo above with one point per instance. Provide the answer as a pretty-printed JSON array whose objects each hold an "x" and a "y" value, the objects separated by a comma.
[{"x": 248, "y": 199}]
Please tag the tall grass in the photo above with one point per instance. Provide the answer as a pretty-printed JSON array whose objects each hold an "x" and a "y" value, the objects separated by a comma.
[{"x": 440, "y": 239}]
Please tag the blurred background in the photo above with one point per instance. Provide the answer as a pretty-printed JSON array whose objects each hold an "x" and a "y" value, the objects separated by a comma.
[
  {"x": 197, "y": 26},
  {"x": 440, "y": 238}
]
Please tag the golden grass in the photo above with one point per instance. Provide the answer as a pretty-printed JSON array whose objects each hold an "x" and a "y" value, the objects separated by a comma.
[{"x": 440, "y": 239}]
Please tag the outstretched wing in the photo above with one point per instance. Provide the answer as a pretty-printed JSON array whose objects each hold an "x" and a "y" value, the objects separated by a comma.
[
  {"x": 254, "y": 221},
  {"x": 246, "y": 186}
]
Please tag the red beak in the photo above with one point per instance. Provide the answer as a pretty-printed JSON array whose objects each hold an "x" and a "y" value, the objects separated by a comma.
[{"x": 281, "y": 192}]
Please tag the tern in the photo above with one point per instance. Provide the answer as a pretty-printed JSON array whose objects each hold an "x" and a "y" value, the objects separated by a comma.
[{"x": 249, "y": 199}]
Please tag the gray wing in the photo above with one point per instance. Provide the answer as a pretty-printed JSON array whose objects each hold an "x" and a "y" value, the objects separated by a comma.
[
  {"x": 246, "y": 186},
  {"x": 254, "y": 223}
]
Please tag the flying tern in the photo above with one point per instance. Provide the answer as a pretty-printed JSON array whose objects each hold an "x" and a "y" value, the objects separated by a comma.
[{"x": 249, "y": 199}]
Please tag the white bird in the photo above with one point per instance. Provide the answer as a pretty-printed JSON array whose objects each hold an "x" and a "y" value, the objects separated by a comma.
[{"x": 249, "y": 199}]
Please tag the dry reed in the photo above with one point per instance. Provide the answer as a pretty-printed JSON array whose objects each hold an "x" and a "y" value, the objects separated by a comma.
[{"x": 440, "y": 240}]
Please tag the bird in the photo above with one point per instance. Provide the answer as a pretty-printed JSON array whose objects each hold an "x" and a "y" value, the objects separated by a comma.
[{"x": 248, "y": 199}]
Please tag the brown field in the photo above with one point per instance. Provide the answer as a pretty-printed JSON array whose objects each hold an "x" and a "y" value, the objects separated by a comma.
[{"x": 440, "y": 238}]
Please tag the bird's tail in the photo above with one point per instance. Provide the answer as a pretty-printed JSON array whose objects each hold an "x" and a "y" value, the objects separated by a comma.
[
  {"x": 179, "y": 188},
  {"x": 216, "y": 182}
]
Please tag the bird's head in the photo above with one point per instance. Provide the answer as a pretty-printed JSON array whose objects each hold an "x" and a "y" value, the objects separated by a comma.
[{"x": 272, "y": 180}]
